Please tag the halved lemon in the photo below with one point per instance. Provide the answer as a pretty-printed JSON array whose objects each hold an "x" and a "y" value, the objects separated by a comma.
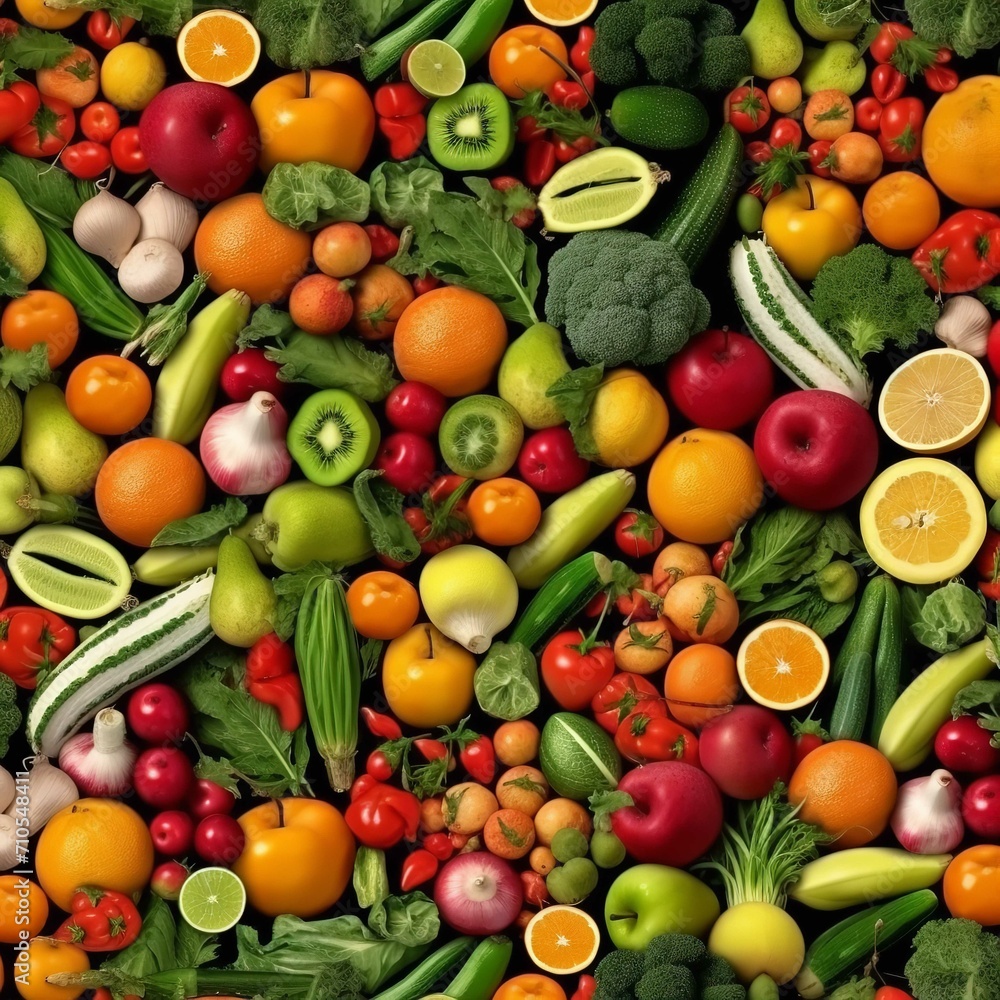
[
  {"x": 936, "y": 402},
  {"x": 561, "y": 13},
  {"x": 562, "y": 939},
  {"x": 783, "y": 664},
  {"x": 218, "y": 46},
  {"x": 923, "y": 520}
]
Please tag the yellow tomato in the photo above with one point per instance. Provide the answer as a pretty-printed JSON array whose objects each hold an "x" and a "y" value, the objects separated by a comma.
[
  {"x": 531, "y": 986},
  {"x": 322, "y": 116},
  {"x": 44, "y": 957},
  {"x": 39, "y": 14},
  {"x": 427, "y": 677},
  {"x": 518, "y": 65},
  {"x": 812, "y": 222},
  {"x": 382, "y": 604},
  {"x": 24, "y": 908}
]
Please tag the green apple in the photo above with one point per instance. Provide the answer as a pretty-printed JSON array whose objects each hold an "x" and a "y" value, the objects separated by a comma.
[{"x": 648, "y": 900}]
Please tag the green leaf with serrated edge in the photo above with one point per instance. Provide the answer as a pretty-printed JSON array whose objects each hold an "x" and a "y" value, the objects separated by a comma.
[{"x": 206, "y": 528}]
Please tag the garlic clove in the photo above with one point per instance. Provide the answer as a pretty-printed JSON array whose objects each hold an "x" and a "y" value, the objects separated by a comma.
[
  {"x": 7, "y": 788},
  {"x": 8, "y": 842},
  {"x": 151, "y": 271},
  {"x": 48, "y": 791},
  {"x": 167, "y": 215},
  {"x": 106, "y": 226},
  {"x": 964, "y": 324}
]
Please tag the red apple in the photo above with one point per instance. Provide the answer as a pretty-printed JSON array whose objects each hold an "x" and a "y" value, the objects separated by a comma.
[
  {"x": 677, "y": 814},
  {"x": 200, "y": 139},
  {"x": 981, "y": 807},
  {"x": 162, "y": 777},
  {"x": 206, "y": 797},
  {"x": 172, "y": 832},
  {"x": 550, "y": 463},
  {"x": 721, "y": 379},
  {"x": 157, "y": 714},
  {"x": 408, "y": 461},
  {"x": 746, "y": 751},
  {"x": 219, "y": 839},
  {"x": 167, "y": 879},
  {"x": 817, "y": 449}
]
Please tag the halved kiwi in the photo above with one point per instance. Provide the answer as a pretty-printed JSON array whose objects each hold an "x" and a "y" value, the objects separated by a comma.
[
  {"x": 480, "y": 436},
  {"x": 471, "y": 130},
  {"x": 333, "y": 436}
]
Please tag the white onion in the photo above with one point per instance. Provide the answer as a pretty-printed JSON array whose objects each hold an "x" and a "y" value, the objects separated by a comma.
[
  {"x": 928, "y": 814},
  {"x": 478, "y": 893}
]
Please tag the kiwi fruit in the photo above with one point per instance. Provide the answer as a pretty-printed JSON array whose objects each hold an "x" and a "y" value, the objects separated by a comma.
[
  {"x": 480, "y": 437},
  {"x": 471, "y": 130},
  {"x": 333, "y": 436}
]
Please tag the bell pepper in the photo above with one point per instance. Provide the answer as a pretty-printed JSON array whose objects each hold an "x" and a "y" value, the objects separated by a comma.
[
  {"x": 382, "y": 816},
  {"x": 399, "y": 100},
  {"x": 383, "y": 726},
  {"x": 643, "y": 738},
  {"x": 419, "y": 867},
  {"x": 106, "y": 30},
  {"x": 100, "y": 920},
  {"x": 405, "y": 134},
  {"x": 271, "y": 679},
  {"x": 32, "y": 639},
  {"x": 18, "y": 104},
  {"x": 963, "y": 253}
]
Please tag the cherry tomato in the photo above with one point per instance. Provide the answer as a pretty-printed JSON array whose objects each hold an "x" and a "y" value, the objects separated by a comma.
[
  {"x": 638, "y": 534},
  {"x": 818, "y": 152},
  {"x": 41, "y": 317},
  {"x": 248, "y": 372},
  {"x": 108, "y": 394},
  {"x": 414, "y": 406},
  {"x": 87, "y": 159},
  {"x": 442, "y": 518},
  {"x": 747, "y": 109},
  {"x": 575, "y": 669},
  {"x": 785, "y": 132},
  {"x": 100, "y": 121},
  {"x": 126, "y": 153},
  {"x": 758, "y": 151},
  {"x": 408, "y": 461},
  {"x": 784, "y": 94},
  {"x": 892, "y": 993},
  {"x": 518, "y": 65},
  {"x": 868, "y": 114},
  {"x": 972, "y": 885},
  {"x": 48, "y": 131},
  {"x": 504, "y": 511},
  {"x": 382, "y": 604}
]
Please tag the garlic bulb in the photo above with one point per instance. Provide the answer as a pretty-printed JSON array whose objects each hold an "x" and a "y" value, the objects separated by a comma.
[
  {"x": 964, "y": 324},
  {"x": 6, "y": 788},
  {"x": 167, "y": 215},
  {"x": 48, "y": 791},
  {"x": 8, "y": 843},
  {"x": 151, "y": 270},
  {"x": 107, "y": 226}
]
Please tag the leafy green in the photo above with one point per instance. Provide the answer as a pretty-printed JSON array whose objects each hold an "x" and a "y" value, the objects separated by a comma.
[
  {"x": 984, "y": 695},
  {"x": 377, "y": 15},
  {"x": 501, "y": 204},
  {"x": 45, "y": 188},
  {"x": 844, "y": 13},
  {"x": 159, "y": 17},
  {"x": 165, "y": 324},
  {"x": 334, "y": 363},
  {"x": 312, "y": 195},
  {"x": 989, "y": 295},
  {"x": 23, "y": 369},
  {"x": 272, "y": 761},
  {"x": 291, "y": 589},
  {"x": 963, "y": 25},
  {"x": 304, "y": 34},
  {"x": 10, "y": 714},
  {"x": 574, "y": 394},
  {"x": 381, "y": 506},
  {"x": 954, "y": 959},
  {"x": 266, "y": 323},
  {"x": 569, "y": 124},
  {"x": 506, "y": 682},
  {"x": 401, "y": 191},
  {"x": 411, "y": 919},
  {"x": 30, "y": 48},
  {"x": 12, "y": 284},
  {"x": 206, "y": 528},
  {"x": 950, "y": 617},
  {"x": 855, "y": 989},
  {"x": 194, "y": 948}
]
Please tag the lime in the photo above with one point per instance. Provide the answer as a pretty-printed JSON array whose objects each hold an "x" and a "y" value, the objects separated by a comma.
[
  {"x": 212, "y": 900},
  {"x": 436, "y": 68}
]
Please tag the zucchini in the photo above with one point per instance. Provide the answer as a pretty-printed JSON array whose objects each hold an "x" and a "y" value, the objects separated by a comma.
[
  {"x": 862, "y": 636},
  {"x": 477, "y": 29},
  {"x": 845, "y": 947},
  {"x": 561, "y": 598},
  {"x": 779, "y": 317},
  {"x": 888, "y": 660},
  {"x": 126, "y": 652},
  {"x": 430, "y": 971},
  {"x": 853, "y": 666},
  {"x": 483, "y": 972},
  {"x": 916, "y": 715},
  {"x": 704, "y": 204},
  {"x": 569, "y": 524},
  {"x": 384, "y": 53}
]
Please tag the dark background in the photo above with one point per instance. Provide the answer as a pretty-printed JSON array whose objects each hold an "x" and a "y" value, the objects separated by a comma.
[{"x": 711, "y": 277}]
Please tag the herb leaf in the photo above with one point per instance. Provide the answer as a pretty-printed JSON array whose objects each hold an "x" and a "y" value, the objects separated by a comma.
[
  {"x": 267, "y": 323},
  {"x": 12, "y": 284},
  {"x": 574, "y": 393},
  {"x": 206, "y": 528},
  {"x": 30, "y": 48},
  {"x": 313, "y": 195},
  {"x": 381, "y": 506},
  {"x": 46, "y": 189}
]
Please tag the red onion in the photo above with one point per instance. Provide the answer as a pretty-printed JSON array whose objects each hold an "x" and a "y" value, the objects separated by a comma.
[
  {"x": 101, "y": 762},
  {"x": 243, "y": 446},
  {"x": 478, "y": 893},
  {"x": 928, "y": 814}
]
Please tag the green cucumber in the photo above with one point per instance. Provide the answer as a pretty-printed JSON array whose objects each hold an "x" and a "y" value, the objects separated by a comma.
[
  {"x": 129, "y": 650},
  {"x": 431, "y": 970},
  {"x": 659, "y": 117},
  {"x": 862, "y": 636},
  {"x": 481, "y": 975},
  {"x": 888, "y": 660},
  {"x": 478, "y": 28},
  {"x": 384, "y": 53},
  {"x": 705, "y": 202}
]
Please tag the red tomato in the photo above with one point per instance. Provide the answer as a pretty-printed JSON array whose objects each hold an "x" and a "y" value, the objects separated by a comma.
[
  {"x": 747, "y": 109},
  {"x": 622, "y": 695},
  {"x": 901, "y": 128},
  {"x": 868, "y": 114},
  {"x": 30, "y": 638},
  {"x": 87, "y": 159},
  {"x": 892, "y": 993},
  {"x": 575, "y": 668},
  {"x": 884, "y": 44},
  {"x": 638, "y": 534},
  {"x": 785, "y": 132},
  {"x": 441, "y": 520},
  {"x": 644, "y": 737},
  {"x": 972, "y": 885},
  {"x": 818, "y": 152},
  {"x": 126, "y": 153},
  {"x": 99, "y": 121},
  {"x": 18, "y": 104},
  {"x": 48, "y": 131}
]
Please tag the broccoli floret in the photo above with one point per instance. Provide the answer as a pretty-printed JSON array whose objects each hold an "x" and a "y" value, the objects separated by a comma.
[
  {"x": 715, "y": 971},
  {"x": 612, "y": 55},
  {"x": 731, "y": 992},
  {"x": 724, "y": 61},
  {"x": 962, "y": 25},
  {"x": 954, "y": 958},
  {"x": 617, "y": 975},
  {"x": 668, "y": 47},
  {"x": 868, "y": 296},
  {"x": 623, "y": 297},
  {"x": 687, "y": 9},
  {"x": 667, "y": 982},
  {"x": 10, "y": 714},
  {"x": 675, "y": 949},
  {"x": 715, "y": 20}
]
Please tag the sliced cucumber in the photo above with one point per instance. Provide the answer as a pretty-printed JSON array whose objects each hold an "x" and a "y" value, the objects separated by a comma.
[
  {"x": 598, "y": 190},
  {"x": 69, "y": 571}
]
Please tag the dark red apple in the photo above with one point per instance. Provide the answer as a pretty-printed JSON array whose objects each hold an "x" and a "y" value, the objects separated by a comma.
[
  {"x": 981, "y": 807},
  {"x": 162, "y": 777},
  {"x": 408, "y": 461},
  {"x": 550, "y": 463},
  {"x": 205, "y": 797},
  {"x": 746, "y": 751},
  {"x": 816, "y": 448},
  {"x": 172, "y": 832},
  {"x": 200, "y": 139},
  {"x": 677, "y": 814},
  {"x": 219, "y": 839},
  {"x": 963, "y": 745},
  {"x": 721, "y": 379}
]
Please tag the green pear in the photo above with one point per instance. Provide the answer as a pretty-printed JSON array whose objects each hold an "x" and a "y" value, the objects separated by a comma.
[
  {"x": 775, "y": 46},
  {"x": 819, "y": 20},
  {"x": 242, "y": 597},
  {"x": 836, "y": 66},
  {"x": 63, "y": 456},
  {"x": 21, "y": 240},
  {"x": 10, "y": 420},
  {"x": 530, "y": 365}
]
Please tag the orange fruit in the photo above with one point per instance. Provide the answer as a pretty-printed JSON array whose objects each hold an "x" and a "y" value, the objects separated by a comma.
[
  {"x": 218, "y": 46},
  {"x": 97, "y": 842},
  {"x": 23, "y": 908},
  {"x": 452, "y": 339},
  {"x": 961, "y": 143},
  {"x": 144, "y": 485},
  {"x": 242, "y": 247},
  {"x": 704, "y": 485},
  {"x": 561, "y": 13},
  {"x": 847, "y": 789},
  {"x": 44, "y": 957},
  {"x": 701, "y": 683},
  {"x": 562, "y": 939},
  {"x": 901, "y": 210},
  {"x": 783, "y": 664}
]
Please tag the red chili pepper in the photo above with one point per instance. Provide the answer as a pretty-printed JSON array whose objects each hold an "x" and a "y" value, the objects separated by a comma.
[
  {"x": 883, "y": 45},
  {"x": 399, "y": 100},
  {"x": 586, "y": 987},
  {"x": 382, "y": 816},
  {"x": 479, "y": 759},
  {"x": 32, "y": 639},
  {"x": 818, "y": 152},
  {"x": 887, "y": 83},
  {"x": 404, "y": 134},
  {"x": 589, "y": 81},
  {"x": 383, "y": 726},
  {"x": 868, "y": 113},
  {"x": 721, "y": 557},
  {"x": 272, "y": 680},
  {"x": 643, "y": 737},
  {"x": 419, "y": 867},
  {"x": 568, "y": 94},
  {"x": 100, "y": 920},
  {"x": 431, "y": 749},
  {"x": 379, "y": 766},
  {"x": 363, "y": 783},
  {"x": 534, "y": 889},
  {"x": 539, "y": 162},
  {"x": 126, "y": 153},
  {"x": 18, "y": 105},
  {"x": 579, "y": 55},
  {"x": 385, "y": 243},
  {"x": 529, "y": 130},
  {"x": 420, "y": 287},
  {"x": 440, "y": 845},
  {"x": 963, "y": 253},
  {"x": 107, "y": 31},
  {"x": 940, "y": 79}
]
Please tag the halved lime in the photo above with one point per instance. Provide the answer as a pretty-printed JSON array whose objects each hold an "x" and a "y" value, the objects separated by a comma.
[
  {"x": 436, "y": 68},
  {"x": 212, "y": 900}
]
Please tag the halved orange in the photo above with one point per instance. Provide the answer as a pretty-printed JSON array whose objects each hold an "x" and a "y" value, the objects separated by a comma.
[
  {"x": 560, "y": 13},
  {"x": 936, "y": 402},
  {"x": 783, "y": 664},
  {"x": 218, "y": 46},
  {"x": 562, "y": 939}
]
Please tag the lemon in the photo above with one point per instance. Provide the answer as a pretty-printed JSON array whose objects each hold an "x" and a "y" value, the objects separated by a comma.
[
  {"x": 988, "y": 460},
  {"x": 132, "y": 74},
  {"x": 628, "y": 419},
  {"x": 923, "y": 520},
  {"x": 38, "y": 14}
]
